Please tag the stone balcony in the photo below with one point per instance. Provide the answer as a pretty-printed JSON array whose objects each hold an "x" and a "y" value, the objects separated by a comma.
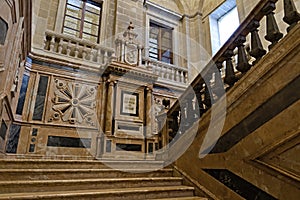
[
  {"x": 167, "y": 73},
  {"x": 92, "y": 56},
  {"x": 76, "y": 50}
]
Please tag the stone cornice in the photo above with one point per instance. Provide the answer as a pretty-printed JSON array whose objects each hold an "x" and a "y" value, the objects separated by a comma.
[{"x": 121, "y": 69}]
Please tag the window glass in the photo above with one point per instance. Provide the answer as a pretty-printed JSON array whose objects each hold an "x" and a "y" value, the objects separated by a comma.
[
  {"x": 92, "y": 18},
  {"x": 72, "y": 23},
  {"x": 74, "y": 11},
  {"x": 13, "y": 138},
  {"x": 3, "y": 31},
  {"x": 93, "y": 7},
  {"x": 82, "y": 19},
  {"x": 160, "y": 43},
  {"x": 22, "y": 95},
  {"x": 3, "y": 130},
  {"x": 90, "y": 29},
  {"x": 223, "y": 22},
  {"x": 228, "y": 23},
  {"x": 78, "y": 3},
  {"x": 40, "y": 98},
  {"x": 89, "y": 37}
]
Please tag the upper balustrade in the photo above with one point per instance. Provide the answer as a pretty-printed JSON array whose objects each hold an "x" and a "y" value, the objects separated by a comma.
[
  {"x": 80, "y": 49},
  {"x": 167, "y": 72},
  {"x": 93, "y": 53},
  {"x": 209, "y": 86}
]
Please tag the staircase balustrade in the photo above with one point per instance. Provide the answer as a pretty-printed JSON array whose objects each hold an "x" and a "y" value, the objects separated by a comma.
[
  {"x": 77, "y": 48},
  {"x": 209, "y": 85}
]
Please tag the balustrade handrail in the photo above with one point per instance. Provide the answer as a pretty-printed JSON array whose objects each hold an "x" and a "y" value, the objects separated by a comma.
[
  {"x": 165, "y": 64},
  {"x": 202, "y": 90}
]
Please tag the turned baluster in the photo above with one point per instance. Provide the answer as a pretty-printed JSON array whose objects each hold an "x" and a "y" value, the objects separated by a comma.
[
  {"x": 257, "y": 50},
  {"x": 99, "y": 56},
  {"x": 218, "y": 88},
  {"x": 92, "y": 54},
  {"x": 84, "y": 52},
  {"x": 52, "y": 43},
  {"x": 109, "y": 56},
  {"x": 177, "y": 76},
  {"x": 105, "y": 57},
  {"x": 199, "y": 100},
  {"x": 69, "y": 48},
  {"x": 76, "y": 50},
  {"x": 153, "y": 66},
  {"x": 175, "y": 123},
  {"x": 168, "y": 73},
  {"x": 291, "y": 15},
  {"x": 96, "y": 55},
  {"x": 273, "y": 33},
  {"x": 242, "y": 64},
  {"x": 163, "y": 71},
  {"x": 60, "y": 45},
  {"x": 181, "y": 77},
  {"x": 159, "y": 70},
  {"x": 185, "y": 77},
  {"x": 172, "y": 74},
  {"x": 190, "y": 113},
  {"x": 230, "y": 77},
  {"x": 208, "y": 100},
  {"x": 47, "y": 40}
]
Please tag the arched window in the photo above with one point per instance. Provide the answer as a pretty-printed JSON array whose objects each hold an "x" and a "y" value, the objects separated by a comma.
[
  {"x": 3, "y": 30},
  {"x": 82, "y": 19}
]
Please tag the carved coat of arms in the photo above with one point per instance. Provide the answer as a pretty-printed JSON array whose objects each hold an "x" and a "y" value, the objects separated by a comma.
[{"x": 131, "y": 54}]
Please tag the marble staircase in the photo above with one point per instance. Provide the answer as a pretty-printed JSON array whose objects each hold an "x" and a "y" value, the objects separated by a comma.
[{"x": 87, "y": 179}]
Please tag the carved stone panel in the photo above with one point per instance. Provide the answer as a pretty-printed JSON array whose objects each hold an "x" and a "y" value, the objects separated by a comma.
[{"x": 74, "y": 103}]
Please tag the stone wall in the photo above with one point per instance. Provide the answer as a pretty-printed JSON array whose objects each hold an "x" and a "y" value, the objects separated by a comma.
[{"x": 11, "y": 62}]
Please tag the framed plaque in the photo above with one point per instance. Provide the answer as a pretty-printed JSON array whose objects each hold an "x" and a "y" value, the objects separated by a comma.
[{"x": 129, "y": 103}]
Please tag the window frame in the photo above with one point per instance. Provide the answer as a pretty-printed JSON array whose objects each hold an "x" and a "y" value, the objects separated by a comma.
[
  {"x": 164, "y": 18},
  {"x": 61, "y": 13},
  {"x": 82, "y": 20},
  {"x": 159, "y": 44}
]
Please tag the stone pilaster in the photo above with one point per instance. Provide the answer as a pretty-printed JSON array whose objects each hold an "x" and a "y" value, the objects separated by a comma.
[
  {"x": 110, "y": 107},
  {"x": 149, "y": 112}
]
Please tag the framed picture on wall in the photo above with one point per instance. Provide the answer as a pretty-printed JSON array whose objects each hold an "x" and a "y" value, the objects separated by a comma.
[{"x": 129, "y": 103}]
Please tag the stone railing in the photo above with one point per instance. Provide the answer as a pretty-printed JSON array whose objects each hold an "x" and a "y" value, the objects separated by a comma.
[
  {"x": 167, "y": 72},
  {"x": 77, "y": 48},
  {"x": 209, "y": 87}
]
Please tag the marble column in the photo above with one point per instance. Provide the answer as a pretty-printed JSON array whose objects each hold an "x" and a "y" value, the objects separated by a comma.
[
  {"x": 102, "y": 113},
  {"x": 109, "y": 108},
  {"x": 103, "y": 105}
]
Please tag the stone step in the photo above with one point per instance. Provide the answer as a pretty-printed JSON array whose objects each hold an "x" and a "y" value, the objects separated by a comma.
[
  {"x": 183, "y": 198},
  {"x": 65, "y": 174},
  {"x": 108, "y": 194},
  {"x": 79, "y": 164},
  {"x": 86, "y": 184}
]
